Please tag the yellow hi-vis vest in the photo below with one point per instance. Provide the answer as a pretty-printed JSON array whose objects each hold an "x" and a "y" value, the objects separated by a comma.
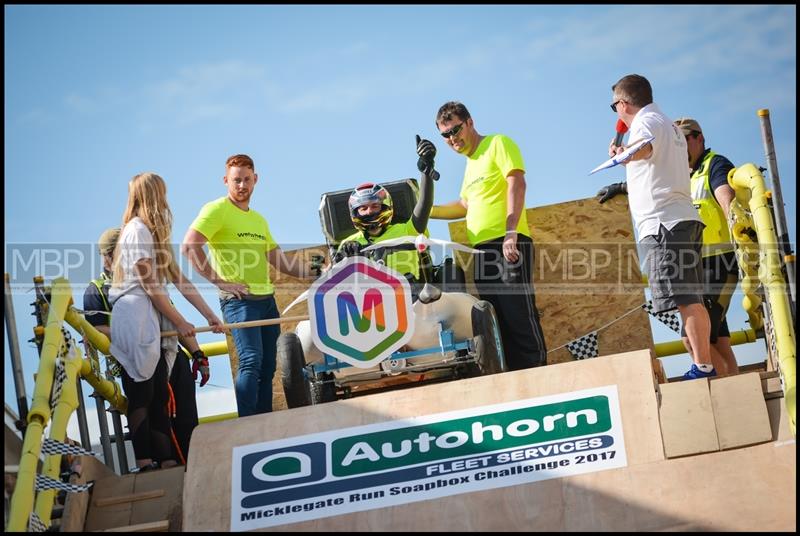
[
  {"x": 716, "y": 235},
  {"x": 99, "y": 282}
]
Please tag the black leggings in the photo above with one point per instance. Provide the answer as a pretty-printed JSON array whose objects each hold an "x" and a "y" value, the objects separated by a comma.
[{"x": 148, "y": 419}]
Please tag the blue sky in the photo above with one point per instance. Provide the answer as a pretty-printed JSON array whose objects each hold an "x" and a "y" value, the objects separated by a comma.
[{"x": 326, "y": 97}]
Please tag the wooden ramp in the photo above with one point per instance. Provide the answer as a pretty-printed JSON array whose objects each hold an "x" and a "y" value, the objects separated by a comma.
[{"x": 737, "y": 478}]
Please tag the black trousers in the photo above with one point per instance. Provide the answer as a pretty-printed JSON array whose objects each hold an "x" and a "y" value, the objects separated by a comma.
[
  {"x": 183, "y": 388},
  {"x": 509, "y": 288},
  {"x": 147, "y": 415}
]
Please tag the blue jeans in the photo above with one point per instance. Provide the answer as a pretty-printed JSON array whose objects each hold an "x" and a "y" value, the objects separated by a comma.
[{"x": 256, "y": 348}]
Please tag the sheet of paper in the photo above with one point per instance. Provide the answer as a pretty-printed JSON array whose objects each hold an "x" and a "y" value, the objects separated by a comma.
[{"x": 624, "y": 156}]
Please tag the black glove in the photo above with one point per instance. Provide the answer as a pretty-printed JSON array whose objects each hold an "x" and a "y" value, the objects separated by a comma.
[
  {"x": 316, "y": 264},
  {"x": 612, "y": 190},
  {"x": 426, "y": 151},
  {"x": 347, "y": 249},
  {"x": 200, "y": 364}
]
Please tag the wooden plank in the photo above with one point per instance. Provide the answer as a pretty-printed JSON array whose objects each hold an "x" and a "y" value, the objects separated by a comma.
[
  {"x": 740, "y": 412},
  {"x": 76, "y": 507},
  {"x": 207, "y": 507},
  {"x": 779, "y": 420},
  {"x": 153, "y": 526},
  {"x": 742, "y": 490},
  {"x": 765, "y": 374},
  {"x": 687, "y": 418},
  {"x": 169, "y": 507},
  {"x": 115, "y": 515},
  {"x": 771, "y": 387},
  {"x": 586, "y": 275},
  {"x": 129, "y": 498}
]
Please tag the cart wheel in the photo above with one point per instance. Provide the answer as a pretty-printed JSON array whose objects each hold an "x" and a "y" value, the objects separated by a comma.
[
  {"x": 292, "y": 362},
  {"x": 322, "y": 388},
  {"x": 488, "y": 345}
]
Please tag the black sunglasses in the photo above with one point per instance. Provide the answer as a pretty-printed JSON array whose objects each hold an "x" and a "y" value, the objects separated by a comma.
[
  {"x": 614, "y": 105},
  {"x": 453, "y": 131}
]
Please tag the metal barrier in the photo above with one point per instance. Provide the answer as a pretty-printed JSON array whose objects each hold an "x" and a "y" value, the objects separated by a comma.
[
  {"x": 759, "y": 249},
  {"x": 55, "y": 342}
]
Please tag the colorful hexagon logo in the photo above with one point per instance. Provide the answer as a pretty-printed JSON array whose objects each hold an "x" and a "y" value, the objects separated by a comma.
[{"x": 360, "y": 312}]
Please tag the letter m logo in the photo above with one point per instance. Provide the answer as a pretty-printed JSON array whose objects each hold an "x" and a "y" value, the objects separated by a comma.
[
  {"x": 360, "y": 312},
  {"x": 348, "y": 310}
]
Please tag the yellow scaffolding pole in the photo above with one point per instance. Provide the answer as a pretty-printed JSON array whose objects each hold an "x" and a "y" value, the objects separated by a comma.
[
  {"x": 109, "y": 390},
  {"x": 748, "y": 183},
  {"x": 664, "y": 349},
  {"x": 25, "y": 499},
  {"x": 66, "y": 404},
  {"x": 39, "y": 415}
]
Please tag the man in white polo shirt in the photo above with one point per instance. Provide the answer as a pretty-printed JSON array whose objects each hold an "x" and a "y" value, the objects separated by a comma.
[{"x": 668, "y": 226}]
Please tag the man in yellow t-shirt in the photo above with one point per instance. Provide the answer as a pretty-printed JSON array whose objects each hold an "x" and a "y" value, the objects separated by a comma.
[
  {"x": 242, "y": 250},
  {"x": 492, "y": 198}
]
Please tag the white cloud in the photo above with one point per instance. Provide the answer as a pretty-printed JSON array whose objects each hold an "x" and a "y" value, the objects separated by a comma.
[
  {"x": 36, "y": 117},
  {"x": 339, "y": 96},
  {"x": 196, "y": 93},
  {"x": 681, "y": 42}
]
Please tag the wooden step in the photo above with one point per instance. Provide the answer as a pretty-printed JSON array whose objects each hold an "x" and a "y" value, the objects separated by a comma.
[
  {"x": 137, "y": 499},
  {"x": 152, "y": 494},
  {"x": 153, "y": 526},
  {"x": 771, "y": 388}
]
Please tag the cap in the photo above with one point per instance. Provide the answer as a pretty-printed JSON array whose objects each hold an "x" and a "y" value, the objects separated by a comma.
[
  {"x": 108, "y": 241},
  {"x": 688, "y": 125}
]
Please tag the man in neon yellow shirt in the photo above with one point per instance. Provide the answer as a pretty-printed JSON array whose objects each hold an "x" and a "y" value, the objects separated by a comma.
[
  {"x": 242, "y": 249},
  {"x": 492, "y": 199}
]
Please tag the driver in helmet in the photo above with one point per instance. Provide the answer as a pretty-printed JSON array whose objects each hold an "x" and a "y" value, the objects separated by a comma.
[{"x": 371, "y": 212}]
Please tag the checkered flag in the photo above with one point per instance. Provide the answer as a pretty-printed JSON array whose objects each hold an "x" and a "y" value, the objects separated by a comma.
[
  {"x": 59, "y": 378},
  {"x": 51, "y": 446},
  {"x": 45, "y": 482},
  {"x": 35, "y": 523},
  {"x": 113, "y": 367},
  {"x": 584, "y": 347},
  {"x": 669, "y": 319}
]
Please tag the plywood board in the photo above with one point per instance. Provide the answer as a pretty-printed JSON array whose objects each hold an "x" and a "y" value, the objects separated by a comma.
[
  {"x": 167, "y": 507},
  {"x": 740, "y": 412},
  {"x": 687, "y": 418},
  {"x": 87, "y": 469},
  {"x": 586, "y": 275},
  {"x": 779, "y": 420},
  {"x": 743, "y": 490},
  {"x": 116, "y": 515},
  {"x": 207, "y": 507}
]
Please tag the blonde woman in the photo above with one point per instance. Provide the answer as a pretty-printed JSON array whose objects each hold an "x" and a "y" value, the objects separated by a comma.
[{"x": 143, "y": 264}]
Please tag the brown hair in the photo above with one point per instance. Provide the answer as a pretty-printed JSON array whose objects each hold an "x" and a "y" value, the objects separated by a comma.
[
  {"x": 240, "y": 160},
  {"x": 147, "y": 199},
  {"x": 452, "y": 109},
  {"x": 635, "y": 89}
]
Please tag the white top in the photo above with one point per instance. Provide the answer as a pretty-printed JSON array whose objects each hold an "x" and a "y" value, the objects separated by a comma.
[
  {"x": 135, "y": 243},
  {"x": 135, "y": 323},
  {"x": 658, "y": 187}
]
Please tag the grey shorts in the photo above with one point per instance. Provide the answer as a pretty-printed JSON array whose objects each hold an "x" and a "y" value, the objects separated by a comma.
[
  {"x": 720, "y": 276},
  {"x": 674, "y": 266}
]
